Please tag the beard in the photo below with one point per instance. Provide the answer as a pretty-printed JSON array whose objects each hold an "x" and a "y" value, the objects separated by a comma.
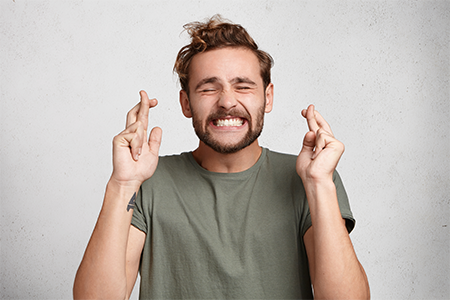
[{"x": 252, "y": 134}]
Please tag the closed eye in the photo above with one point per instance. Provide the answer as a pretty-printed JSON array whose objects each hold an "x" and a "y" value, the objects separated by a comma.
[
  {"x": 244, "y": 89},
  {"x": 208, "y": 91}
]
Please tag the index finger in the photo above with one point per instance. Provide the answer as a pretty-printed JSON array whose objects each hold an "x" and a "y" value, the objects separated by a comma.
[
  {"x": 132, "y": 115},
  {"x": 143, "y": 109},
  {"x": 322, "y": 123},
  {"x": 140, "y": 111},
  {"x": 315, "y": 120},
  {"x": 309, "y": 115}
]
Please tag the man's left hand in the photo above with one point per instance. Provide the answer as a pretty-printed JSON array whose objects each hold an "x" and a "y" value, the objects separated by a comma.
[{"x": 321, "y": 150}]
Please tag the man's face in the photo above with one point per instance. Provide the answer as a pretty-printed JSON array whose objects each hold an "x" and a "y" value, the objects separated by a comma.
[{"x": 227, "y": 99}]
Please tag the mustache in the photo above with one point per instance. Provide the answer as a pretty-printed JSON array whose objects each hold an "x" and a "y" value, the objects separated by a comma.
[{"x": 222, "y": 113}]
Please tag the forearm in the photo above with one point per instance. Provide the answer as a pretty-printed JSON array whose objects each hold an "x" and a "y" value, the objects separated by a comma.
[
  {"x": 338, "y": 273},
  {"x": 102, "y": 272}
]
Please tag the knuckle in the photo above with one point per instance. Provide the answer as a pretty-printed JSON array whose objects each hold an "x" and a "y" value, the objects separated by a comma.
[
  {"x": 321, "y": 133},
  {"x": 135, "y": 136},
  {"x": 117, "y": 139},
  {"x": 118, "y": 136}
]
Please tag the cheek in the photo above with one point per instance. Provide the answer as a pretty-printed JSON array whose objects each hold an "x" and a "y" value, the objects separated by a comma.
[
  {"x": 256, "y": 105},
  {"x": 200, "y": 113}
]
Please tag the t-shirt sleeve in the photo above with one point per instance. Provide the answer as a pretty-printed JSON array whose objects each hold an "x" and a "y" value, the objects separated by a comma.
[
  {"x": 344, "y": 207},
  {"x": 138, "y": 220},
  {"x": 344, "y": 204}
]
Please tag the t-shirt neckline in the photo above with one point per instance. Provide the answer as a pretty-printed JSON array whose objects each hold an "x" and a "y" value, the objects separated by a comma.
[{"x": 244, "y": 173}]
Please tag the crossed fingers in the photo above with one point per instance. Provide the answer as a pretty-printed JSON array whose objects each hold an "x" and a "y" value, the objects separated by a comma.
[
  {"x": 140, "y": 110},
  {"x": 137, "y": 124},
  {"x": 318, "y": 125},
  {"x": 315, "y": 120}
]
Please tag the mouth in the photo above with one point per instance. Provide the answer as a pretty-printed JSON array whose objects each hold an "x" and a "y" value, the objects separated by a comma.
[{"x": 229, "y": 122}]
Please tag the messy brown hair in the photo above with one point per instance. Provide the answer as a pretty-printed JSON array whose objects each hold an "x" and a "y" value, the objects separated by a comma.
[{"x": 218, "y": 33}]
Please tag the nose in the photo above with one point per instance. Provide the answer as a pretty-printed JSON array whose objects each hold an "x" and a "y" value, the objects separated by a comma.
[{"x": 227, "y": 100}]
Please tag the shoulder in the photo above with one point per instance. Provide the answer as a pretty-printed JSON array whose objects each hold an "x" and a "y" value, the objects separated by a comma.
[
  {"x": 281, "y": 156},
  {"x": 171, "y": 168},
  {"x": 282, "y": 161},
  {"x": 175, "y": 160},
  {"x": 281, "y": 166}
]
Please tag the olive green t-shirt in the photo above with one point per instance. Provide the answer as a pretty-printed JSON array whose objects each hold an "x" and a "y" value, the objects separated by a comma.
[{"x": 226, "y": 235}]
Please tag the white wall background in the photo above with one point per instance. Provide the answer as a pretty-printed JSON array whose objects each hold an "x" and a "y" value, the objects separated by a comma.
[{"x": 377, "y": 70}]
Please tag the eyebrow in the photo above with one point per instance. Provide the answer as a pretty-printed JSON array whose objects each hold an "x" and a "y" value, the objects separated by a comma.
[
  {"x": 206, "y": 81},
  {"x": 243, "y": 80},
  {"x": 233, "y": 81}
]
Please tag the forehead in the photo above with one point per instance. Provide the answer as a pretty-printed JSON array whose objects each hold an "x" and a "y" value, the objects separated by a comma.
[{"x": 225, "y": 64}]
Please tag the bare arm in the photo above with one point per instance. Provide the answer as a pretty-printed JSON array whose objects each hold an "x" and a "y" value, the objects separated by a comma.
[
  {"x": 109, "y": 265},
  {"x": 136, "y": 240},
  {"x": 334, "y": 268}
]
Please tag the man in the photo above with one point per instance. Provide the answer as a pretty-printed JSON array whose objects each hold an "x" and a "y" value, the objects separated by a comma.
[{"x": 230, "y": 219}]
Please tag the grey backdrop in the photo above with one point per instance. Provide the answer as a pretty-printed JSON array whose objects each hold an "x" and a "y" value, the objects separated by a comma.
[{"x": 378, "y": 71}]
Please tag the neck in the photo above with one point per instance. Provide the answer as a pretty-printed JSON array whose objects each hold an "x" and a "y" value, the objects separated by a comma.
[{"x": 227, "y": 163}]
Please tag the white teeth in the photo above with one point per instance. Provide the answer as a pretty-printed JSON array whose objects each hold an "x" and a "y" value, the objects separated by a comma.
[{"x": 229, "y": 122}]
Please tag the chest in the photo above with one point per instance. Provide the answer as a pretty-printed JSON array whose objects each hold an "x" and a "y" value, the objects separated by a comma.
[{"x": 240, "y": 215}]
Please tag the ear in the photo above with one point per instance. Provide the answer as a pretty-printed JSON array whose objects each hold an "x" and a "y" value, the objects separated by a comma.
[
  {"x": 184, "y": 102},
  {"x": 269, "y": 98}
]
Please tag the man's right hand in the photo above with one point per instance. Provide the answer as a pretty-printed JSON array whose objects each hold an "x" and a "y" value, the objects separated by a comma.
[
  {"x": 134, "y": 156},
  {"x": 110, "y": 264}
]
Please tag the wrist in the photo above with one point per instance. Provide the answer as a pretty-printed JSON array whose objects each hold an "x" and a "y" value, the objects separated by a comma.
[
  {"x": 318, "y": 181},
  {"x": 122, "y": 187},
  {"x": 119, "y": 200},
  {"x": 123, "y": 184},
  {"x": 319, "y": 188}
]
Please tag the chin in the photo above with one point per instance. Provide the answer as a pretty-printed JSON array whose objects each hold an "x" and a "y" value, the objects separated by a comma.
[
  {"x": 216, "y": 144},
  {"x": 229, "y": 148}
]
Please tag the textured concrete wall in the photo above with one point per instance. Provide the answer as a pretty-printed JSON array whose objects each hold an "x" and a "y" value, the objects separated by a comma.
[{"x": 377, "y": 70}]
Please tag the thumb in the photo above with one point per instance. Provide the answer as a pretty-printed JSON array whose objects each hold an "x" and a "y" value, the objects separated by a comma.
[
  {"x": 309, "y": 142},
  {"x": 154, "y": 140}
]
